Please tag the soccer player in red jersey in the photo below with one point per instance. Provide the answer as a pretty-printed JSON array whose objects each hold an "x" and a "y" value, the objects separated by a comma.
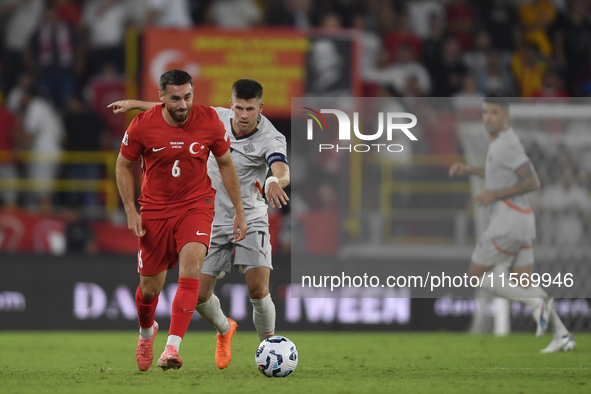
[{"x": 174, "y": 226}]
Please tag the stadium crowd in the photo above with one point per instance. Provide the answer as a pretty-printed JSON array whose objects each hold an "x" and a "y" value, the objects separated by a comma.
[{"x": 53, "y": 50}]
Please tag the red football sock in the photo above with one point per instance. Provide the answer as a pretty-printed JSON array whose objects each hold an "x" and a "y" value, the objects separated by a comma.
[
  {"x": 145, "y": 308},
  {"x": 183, "y": 305}
]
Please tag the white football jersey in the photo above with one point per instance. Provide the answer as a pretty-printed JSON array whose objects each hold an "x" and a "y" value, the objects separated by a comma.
[
  {"x": 512, "y": 216},
  {"x": 250, "y": 154}
]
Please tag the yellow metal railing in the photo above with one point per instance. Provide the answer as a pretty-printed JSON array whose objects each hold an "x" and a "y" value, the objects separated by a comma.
[
  {"x": 389, "y": 187},
  {"x": 107, "y": 185}
]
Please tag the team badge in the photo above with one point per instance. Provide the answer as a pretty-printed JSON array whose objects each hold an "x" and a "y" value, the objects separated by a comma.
[
  {"x": 196, "y": 147},
  {"x": 249, "y": 148}
]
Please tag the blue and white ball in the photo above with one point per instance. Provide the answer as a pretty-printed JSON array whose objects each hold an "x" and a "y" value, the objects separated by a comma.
[{"x": 276, "y": 357}]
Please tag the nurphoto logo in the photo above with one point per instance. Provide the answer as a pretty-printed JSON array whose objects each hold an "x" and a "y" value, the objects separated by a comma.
[{"x": 345, "y": 130}]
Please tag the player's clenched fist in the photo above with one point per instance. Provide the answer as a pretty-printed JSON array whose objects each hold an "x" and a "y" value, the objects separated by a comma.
[{"x": 458, "y": 169}]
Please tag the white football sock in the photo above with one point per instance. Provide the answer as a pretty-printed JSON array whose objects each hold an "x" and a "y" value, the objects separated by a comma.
[
  {"x": 146, "y": 333},
  {"x": 211, "y": 311},
  {"x": 263, "y": 316},
  {"x": 174, "y": 340},
  {"x": 531, "y": 296},
  {"x": 558, "y": 329}
]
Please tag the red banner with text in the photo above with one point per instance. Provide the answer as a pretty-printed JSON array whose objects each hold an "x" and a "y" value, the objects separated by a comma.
[{"x": 217, "y": 58}]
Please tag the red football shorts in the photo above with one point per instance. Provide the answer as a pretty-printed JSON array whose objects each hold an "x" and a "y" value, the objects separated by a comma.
[{"x": 159, "y": 248}]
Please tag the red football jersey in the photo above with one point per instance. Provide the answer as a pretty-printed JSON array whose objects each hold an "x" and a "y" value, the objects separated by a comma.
[{"x": 174, "y": 159}]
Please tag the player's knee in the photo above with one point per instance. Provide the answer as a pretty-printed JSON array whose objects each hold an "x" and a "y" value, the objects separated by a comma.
[
  {"x": 259, "y": 292},
  {"x": 204, "y": 296},
  {"x": 150, "y": 291}
]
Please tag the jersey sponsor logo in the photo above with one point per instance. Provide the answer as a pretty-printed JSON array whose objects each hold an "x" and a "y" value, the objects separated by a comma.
[
  {"x": 157, "y": 150},
  {"x": 196, "y": 148},
  {"x": 198, "y": 233},
  {"x": 249, "y": 148},
  {"x": 126, "y": 140}
]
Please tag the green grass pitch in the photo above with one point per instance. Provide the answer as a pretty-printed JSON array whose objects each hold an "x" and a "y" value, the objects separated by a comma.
[{"x": 104, "y": 362}]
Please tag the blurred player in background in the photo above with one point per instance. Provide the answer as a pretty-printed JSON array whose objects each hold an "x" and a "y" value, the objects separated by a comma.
[
  {"x": 256, "y": 146},
  {"x": 174, "y": 140},
  {"x": 507, "y": 242}
]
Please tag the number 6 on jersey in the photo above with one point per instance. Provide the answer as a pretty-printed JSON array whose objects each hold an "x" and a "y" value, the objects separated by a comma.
[{"x": 176, "y": 170}]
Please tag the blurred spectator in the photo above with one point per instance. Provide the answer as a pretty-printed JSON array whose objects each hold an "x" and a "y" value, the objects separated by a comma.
[
  {"x": 468, "y": 101},
  {"x": 476, "y": 59},
  {"x": 345, "y": 9},
  {"x": 551, "y": 92},
  {"x": 43, "y": 133},
  {"x": 420, "y": 12},
  {"x": 439, "y": 125},
  {"x": 402, "y": 35},
  {"x": 52, "y": 56},
  {"x": 412, "y": 89},
  {"x": 528, "y": 69},
  {"x": 536, "y": 16},
  {"x": 434, "y": 42},
  {"x": 69, "y": 11},
  {"x": 8, "y": 129},
  {"x": 23, "y": 17},
  {"x": 552, "y": 89},
  {"x": 85, "y": 131},
  {"x": 398, "y": 75},
  {"x": 15, "y": 96},
  {"x": 294, "y": 13},
  {"x": 235, "y": 13},
  {"x": 447, "y": 74},
  {"x": 371, "y": 46},
  {"x": 565, "y": 210},
  {"x": 170, "y": 13},
  {"x": 384, "y": 13},
  {"x": 495, "y": 78},
  {"x": 572, "y": 43},
  {"x": 461, "y": 22},
  {"x": 79, "y": 234},
  {"x": 331, "y": 21},
  {"x": 502, "y": 22},
  {"x": 105, "y": 21}
]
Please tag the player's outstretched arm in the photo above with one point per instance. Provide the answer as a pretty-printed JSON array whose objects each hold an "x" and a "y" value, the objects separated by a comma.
[
  {"x": 275, "y": 184},
  {"x": 232, "y": 185},
  {"x": 122, "y": 106},
  {"x": 463, "y": 169},
  {"x": 125, "y": 184}
]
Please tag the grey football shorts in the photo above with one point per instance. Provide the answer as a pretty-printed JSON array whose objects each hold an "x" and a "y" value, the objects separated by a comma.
[
  {"x": 253, "y": 251},
  {"x": 492, "y": 251}
]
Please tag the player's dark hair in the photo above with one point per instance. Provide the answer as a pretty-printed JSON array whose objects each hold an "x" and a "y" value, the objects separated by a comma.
[
  {"x": 175, "y": 77},
  {"x": 497, "y": 99},
  {"x": 247, "y": 89}
]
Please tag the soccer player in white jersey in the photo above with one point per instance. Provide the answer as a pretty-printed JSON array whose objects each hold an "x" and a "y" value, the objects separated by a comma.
[
  {"x": 507, "y": 242},
  {"x": 255, "y": 147}
]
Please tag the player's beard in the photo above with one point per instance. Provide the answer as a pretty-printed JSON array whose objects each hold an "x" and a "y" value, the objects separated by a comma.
[{"x": 179, "y": 116}]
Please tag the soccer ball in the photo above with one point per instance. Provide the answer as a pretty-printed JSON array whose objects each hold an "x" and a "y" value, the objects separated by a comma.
[{"x": 276, "y": 357}]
